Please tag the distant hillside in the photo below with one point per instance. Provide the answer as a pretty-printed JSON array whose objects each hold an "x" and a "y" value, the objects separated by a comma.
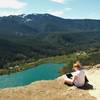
[
  {"x": 44, "y": 23},
  {"x": 35, "y": 36}
]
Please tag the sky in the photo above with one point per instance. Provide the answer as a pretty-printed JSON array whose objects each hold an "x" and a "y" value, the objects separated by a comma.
[{"x": 73, "y": 9}]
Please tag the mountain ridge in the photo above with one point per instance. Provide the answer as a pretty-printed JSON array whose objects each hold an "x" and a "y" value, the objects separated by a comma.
[{"x": 38, "y": 23}]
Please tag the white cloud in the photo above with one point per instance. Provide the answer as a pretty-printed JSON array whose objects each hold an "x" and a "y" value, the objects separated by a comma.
[
  {"x": 68, "y": 9},
  {"x": 56, "y": 12},
  {"x": 13, "y": 4},
  {"x": 7, "y": 13},
  {"x": 59, "y": 13},
  {"x": 59, "y": 1}
]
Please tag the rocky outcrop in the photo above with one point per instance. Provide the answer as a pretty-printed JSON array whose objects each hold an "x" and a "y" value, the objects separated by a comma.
[{"x": 54, "y": 90}]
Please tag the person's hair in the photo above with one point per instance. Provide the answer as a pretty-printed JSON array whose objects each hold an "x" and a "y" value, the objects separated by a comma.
[{"x": 77, "y": 65}]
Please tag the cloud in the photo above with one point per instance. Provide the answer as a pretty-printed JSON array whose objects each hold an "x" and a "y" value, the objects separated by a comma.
[
  {"x": 59, "y": 13},
  {"x": 68, "y": 9},
  {"x": 7, "y": 13},
  {"x": 12, "y": 4},
  {"x": 59, "y": 1},
  {"x": 56, "y": 12}
]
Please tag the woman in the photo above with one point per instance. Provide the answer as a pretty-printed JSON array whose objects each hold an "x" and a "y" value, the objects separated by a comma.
[{"x": 78, "y": 77}]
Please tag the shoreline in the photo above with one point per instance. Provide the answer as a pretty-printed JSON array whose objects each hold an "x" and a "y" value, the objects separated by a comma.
[
  {"x": 22, "y": 67},
  {"x": 65, "y": 59}
]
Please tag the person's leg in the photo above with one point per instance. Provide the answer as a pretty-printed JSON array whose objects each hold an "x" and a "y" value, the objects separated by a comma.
[{"x": 68, "y": 81}]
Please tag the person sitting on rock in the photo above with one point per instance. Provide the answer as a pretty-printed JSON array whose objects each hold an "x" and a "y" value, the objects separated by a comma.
[{"x": 77, "y": 78}]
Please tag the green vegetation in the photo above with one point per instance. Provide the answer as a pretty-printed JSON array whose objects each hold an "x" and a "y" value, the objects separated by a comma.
[
  {"x": 87, "y": 58},
  {"x": 68, "y": 60},
  {"x": 14, "y": 51}
]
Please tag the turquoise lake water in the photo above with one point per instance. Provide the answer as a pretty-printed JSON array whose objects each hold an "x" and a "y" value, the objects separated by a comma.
[{"x": 41, "y": 72}]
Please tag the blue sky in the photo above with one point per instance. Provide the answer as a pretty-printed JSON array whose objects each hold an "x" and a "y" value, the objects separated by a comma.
[{"x": 74, "y": 9}]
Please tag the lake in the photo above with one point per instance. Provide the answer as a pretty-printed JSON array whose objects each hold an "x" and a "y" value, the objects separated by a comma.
[{"x": 41, "y": 72}]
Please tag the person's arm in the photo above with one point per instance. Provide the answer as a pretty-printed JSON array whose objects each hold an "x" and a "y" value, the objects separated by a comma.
[{"x": 74, "y": 78}]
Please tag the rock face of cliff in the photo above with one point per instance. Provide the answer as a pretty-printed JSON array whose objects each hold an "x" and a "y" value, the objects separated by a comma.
[{"x": 55, "y": 90}]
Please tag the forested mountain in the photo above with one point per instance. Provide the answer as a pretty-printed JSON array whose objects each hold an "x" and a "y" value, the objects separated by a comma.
[
  {"x": 36, "y": 36},
  {"x": 43, "y": 23}
]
